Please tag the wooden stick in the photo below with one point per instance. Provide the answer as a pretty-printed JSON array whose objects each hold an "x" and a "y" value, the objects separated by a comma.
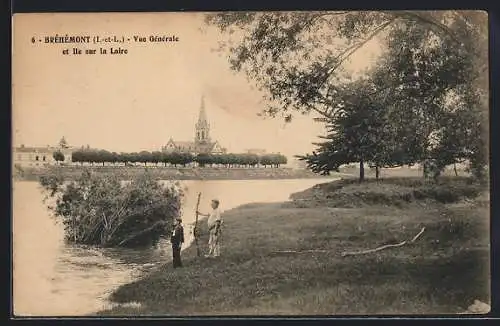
[
  {"x": 353, "y": 253},
  {"x": 195, "y": 231},
  {"x": 418, "y": 235},
  {"x": 382, "y": 247},
  {"x": 298, "y": 251}
]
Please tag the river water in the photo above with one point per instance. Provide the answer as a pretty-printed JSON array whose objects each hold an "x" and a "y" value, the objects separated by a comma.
[{"x": 51, "y": 278}]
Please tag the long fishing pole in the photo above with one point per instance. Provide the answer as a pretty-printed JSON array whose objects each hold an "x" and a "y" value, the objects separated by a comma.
[{"x": 195, "y": 231}]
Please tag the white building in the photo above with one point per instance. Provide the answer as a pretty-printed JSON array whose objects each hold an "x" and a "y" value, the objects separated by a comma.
[{"x": 39, "y": 156}]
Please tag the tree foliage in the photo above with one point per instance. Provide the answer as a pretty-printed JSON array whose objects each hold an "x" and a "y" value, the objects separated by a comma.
[
  {"x": 102, "y": 211},
  {"x": 177, "y": 158},
  {"x": 362, "y": 132},
  {"x": 430, "y": 77},
  {"x": 58, "y": 156}
]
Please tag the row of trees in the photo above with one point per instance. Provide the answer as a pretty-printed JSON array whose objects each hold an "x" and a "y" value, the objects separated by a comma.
[
  {"x": 176, "y": 158},
  {"x": 425, "y": 100}
]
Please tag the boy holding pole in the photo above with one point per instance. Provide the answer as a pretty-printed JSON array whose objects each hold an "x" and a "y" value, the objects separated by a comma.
[{"x": 214, "y": 227}]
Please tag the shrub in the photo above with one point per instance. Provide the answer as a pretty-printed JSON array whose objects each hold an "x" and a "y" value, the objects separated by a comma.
[
  {"x": 391, "y": 191},
  {"x": 102, "y": 210}
]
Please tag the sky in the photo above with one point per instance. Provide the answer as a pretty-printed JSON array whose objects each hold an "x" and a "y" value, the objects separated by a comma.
[{"x": 137, "y": 101}]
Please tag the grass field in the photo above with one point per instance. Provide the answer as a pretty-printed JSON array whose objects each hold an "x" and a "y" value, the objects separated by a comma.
[
  {"x": 443, "y": 272},
  {"x": 162, "y": 173}
]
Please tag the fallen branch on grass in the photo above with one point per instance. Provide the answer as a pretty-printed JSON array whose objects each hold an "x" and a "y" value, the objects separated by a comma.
[
  {"x": 353, "y": 253},
  {"x": 298, "y": 251},
  {"x": 418, "y": 235}
]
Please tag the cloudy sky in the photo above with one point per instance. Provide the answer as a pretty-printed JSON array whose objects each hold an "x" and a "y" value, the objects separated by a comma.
[{"x": 139, "y": 100}]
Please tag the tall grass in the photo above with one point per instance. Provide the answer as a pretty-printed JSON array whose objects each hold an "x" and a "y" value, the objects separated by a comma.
[{"x": 389, "y": 192}]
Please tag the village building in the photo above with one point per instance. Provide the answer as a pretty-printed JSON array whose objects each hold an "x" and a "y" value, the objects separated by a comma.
[
  {"x": 202, "y": 143},
  {"x": 39, "y": 156}
]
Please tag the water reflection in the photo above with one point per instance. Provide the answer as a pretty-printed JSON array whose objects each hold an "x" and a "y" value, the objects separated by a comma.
[{"x": 52, "y": 278}]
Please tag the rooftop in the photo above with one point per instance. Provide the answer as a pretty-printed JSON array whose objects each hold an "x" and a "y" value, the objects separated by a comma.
[{"x": 43, "y": 149}]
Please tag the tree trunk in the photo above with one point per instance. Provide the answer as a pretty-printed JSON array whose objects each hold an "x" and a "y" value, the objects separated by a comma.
[
  {"x": 377, "y": 172},
  {"x": 455, "y": 169},
  {"x": 74, "y": 229},
  {"x": 361, "y": 171}
]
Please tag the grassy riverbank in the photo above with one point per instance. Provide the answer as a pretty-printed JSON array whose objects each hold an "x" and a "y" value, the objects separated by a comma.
[
  {"x": 442, "y": 272},
  {"x": 128, "y": 173}
]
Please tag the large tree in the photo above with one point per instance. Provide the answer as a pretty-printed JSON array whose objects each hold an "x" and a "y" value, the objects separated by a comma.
[
  {"x": 363, "y": 131},
  {"x": 296, "y": 60}
]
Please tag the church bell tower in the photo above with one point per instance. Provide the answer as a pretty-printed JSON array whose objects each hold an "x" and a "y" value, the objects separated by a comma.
[{"x": 202, "y": 126}]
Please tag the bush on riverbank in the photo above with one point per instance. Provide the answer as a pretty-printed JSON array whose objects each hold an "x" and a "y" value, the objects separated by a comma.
[
  {"x": 101, "y": 210},
  {"x": 443, "y": 272},
  {"x": 389, "y": 191}
]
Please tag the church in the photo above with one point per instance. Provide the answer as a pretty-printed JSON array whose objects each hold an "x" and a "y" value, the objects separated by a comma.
[{"x": 202, "y": 143}]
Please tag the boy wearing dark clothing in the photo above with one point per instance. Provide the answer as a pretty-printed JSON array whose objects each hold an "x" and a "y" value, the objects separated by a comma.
[{"x": 177, "y": 239}]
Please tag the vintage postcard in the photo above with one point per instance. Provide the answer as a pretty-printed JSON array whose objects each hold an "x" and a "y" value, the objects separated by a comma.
[{"x": 250, "y": 163}]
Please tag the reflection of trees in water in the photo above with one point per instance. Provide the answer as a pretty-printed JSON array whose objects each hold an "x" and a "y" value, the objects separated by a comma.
[
  {"x": 118, "y": 259},
  {"x": 159, "y": 253}
]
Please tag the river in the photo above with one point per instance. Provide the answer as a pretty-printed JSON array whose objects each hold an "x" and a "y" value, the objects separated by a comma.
[{"x": 51, "y": 278}]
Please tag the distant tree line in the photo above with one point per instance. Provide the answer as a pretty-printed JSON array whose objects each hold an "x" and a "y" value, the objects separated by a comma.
[{"x": 178, "y": 159}]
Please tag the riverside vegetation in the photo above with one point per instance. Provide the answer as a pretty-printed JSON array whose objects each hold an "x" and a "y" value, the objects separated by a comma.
[
  {"x": 101, "y": 210},
  {"x": 129, "y": 173},
  {"x": 167, "y": 166},
  {"x": 286, "y": 258},
  {"x": 178, "y": 158}
]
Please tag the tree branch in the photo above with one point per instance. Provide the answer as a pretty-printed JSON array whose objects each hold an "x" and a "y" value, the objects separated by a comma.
[
  {"x": 432, "y": 22},
  {"x": 352, "y": 49},
  {"x": 157, "y": 224},
  {"x": 320, "y": 16},
  {"x": 358, "y": 252},
  {"x": 354, "y": 253},
  {"x": 341, "y": 59}
]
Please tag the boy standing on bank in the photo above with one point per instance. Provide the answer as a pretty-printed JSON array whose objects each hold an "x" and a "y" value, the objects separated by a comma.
[
  {"x": 214, "y": 227},
  {"x": 177, "y": 239}
]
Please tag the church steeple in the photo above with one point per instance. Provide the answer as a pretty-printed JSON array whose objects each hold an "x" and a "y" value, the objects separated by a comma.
[
  {"x": 202, "y": 126},
  {"x": 202, "y": 118}
]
